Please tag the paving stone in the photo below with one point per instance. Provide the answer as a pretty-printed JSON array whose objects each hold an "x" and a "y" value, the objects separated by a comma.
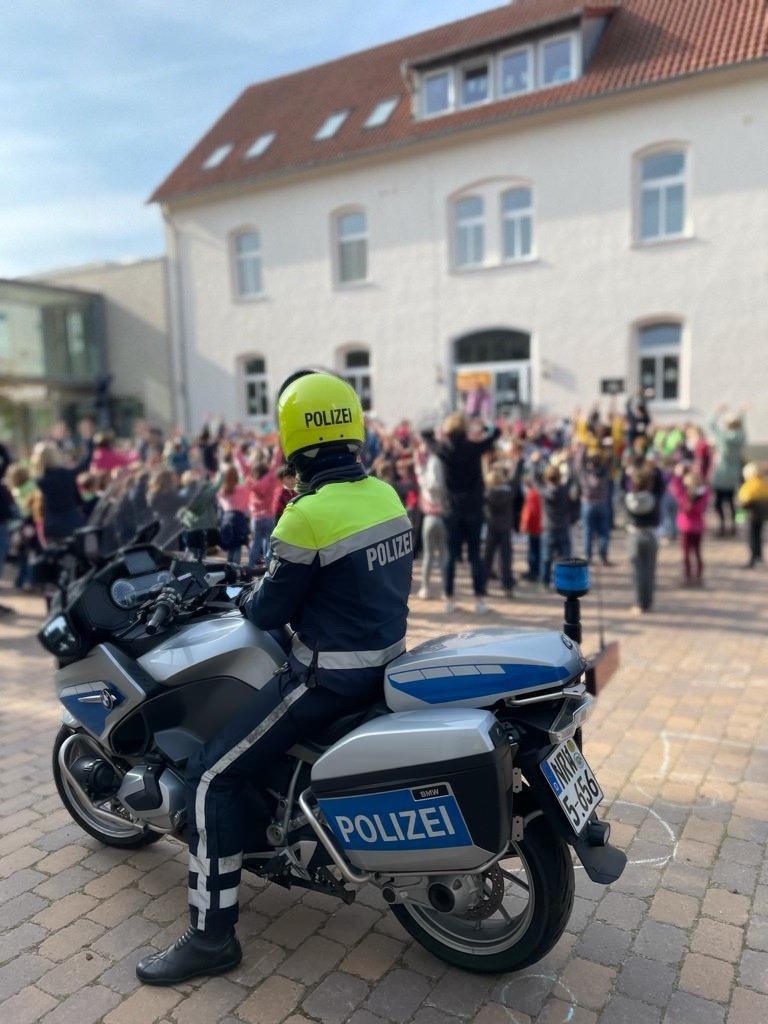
[
  {"x": 111, "y": 912},
  {"x": 313, "y": 959},
  {"x": 397, "y": 996},
  {"x": 586, "y": 984},
  {"x": 114, "y": 881},
  {"x": 69, "y": 940},
  {"x": 373, "y": 956},
  {"x": 64, "y": 883},
  {"x": 260, "y": 960},
  {"x": 621, "y": 910},
  {"x": 17, "y": 939},
  {"x": 27, "y": 1007},
  {"x": 272, "y": 1001},
  {"x": 729, "y": 907},
  {"x": 704, "y": 976},
  {"x": 66, "y": 835},
  {"x": 75, "y": 973},
  {"x": 604, "y": 943},
  {"x": 292, "y": 927},
  {"x": 621, "y": 1010},
  {"x": 350, "y": 924},
  {"x": 20, "y": 972},
  {"x": 460, "y": 993},
  {"x": 88, "y": 1006},
  {"x": 359, "y": 1017},
  {"x": 557, "y": 1012},
  {"x": 740, "y": 878},
  {"x": 688, "y": 1009},
  {"x": 22, "y": 858},
  {"x": 214, "y": 998},
  {"x": 147, "y": 1005},
  {"x": 19, "y": 882},
  {"x": 418, "y": 959},
  {"x": 526, "y": 991},
  {"x": 674, "y": 908},
  {"x": 65, "y": 911},
  {"x": 723, "y": 941},
  {"x": 661, "y": 942},
  {"x": 122, "y": 976},
  {"x": 136, "y": 931},
  {"x": 645, "y": 980},
  {"x": 753, "y": 971},
  {"x": 21, "y": 909},
  {"x": 62, "y": 859},
  {"x": 336, "y": 997},
  {"x": 747, "y": 1007}
]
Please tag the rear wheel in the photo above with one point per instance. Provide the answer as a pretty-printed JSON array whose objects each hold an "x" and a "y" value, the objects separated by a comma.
[
  {"x": 527, "y": 900},
  {"x": 84, "y": 811}
]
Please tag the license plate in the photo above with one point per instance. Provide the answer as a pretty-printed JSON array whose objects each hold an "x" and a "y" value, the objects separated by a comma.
[{"x": 573, "y": 783}]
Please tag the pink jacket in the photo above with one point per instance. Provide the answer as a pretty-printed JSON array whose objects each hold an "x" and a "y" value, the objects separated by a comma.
[
  {"x": 690, "y": 510},
  {"x": 239, "y": 500},
  {"x": 262, "y": 492},
  {"x": 104, "y": 460}
]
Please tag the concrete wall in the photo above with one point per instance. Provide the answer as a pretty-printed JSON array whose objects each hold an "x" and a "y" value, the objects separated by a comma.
[
  {"x": 581, "y": 298},
  {"x": 138, "y": 340}
]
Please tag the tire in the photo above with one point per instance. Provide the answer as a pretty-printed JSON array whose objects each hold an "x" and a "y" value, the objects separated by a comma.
[
  {"x": 128, "y": 837},
  {"x": 505, "y": 942}
]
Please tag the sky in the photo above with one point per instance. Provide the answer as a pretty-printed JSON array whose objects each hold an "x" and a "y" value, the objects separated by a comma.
[{"x": 101, "y": 99}]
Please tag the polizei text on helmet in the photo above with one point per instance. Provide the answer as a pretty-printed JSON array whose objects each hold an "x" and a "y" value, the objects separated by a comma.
[{"x": 328, "y": 417}]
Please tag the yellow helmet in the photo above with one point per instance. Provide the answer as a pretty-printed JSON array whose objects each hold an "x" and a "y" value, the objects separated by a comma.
[{"x": 319, "y": 409}]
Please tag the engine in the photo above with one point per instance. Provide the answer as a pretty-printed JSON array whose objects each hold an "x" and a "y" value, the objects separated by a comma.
[{"x": 156, "y": 795}]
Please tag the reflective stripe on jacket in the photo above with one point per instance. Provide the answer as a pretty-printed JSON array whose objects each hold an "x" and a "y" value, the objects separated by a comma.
[{"x": 340, "y": 575}]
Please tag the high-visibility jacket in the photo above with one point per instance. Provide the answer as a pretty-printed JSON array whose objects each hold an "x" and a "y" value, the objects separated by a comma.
[{"x": 340, "y": 576}]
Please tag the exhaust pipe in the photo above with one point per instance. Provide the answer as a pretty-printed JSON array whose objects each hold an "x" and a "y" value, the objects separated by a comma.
[{"x": 441, "y": 897}]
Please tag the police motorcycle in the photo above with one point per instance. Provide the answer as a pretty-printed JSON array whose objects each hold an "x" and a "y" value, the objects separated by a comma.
[{"x": 460, "y": 797}]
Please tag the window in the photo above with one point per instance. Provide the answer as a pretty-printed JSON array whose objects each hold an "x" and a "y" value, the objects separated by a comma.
[
  {"x": 352, "y": 242},
  {"x": 331, "y": 126},
  {"x": 557, "y": 61},
  {"x": 438, "y": 93},
  {"x": 248, "y": 263},
  {"x": 381, "y": 112},
  {"x": 659, "y": 360},
  {"x": 515, "y": 72},
  {"x": 217, "y": 157},
  {"x": 256, "y": 394},
  {"x": 261, "y": 145},
  {"x": 517, "y": 223},
  {"x": 470, "y": 232},
  {"x": 662, "y": 195},
  {"x": 357, "y": 372},
  {"x": 475, "y": 85}
]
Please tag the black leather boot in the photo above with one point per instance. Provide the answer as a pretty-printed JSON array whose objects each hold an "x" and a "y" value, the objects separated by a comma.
[{"x": 192, "y": 954}]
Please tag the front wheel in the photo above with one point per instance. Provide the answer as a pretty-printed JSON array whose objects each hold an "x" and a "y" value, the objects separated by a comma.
[
  {"x": 83, "y": 811},
  {"x": 528, "y": 897}
]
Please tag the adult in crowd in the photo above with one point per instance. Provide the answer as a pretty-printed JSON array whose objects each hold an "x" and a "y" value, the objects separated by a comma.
[
  {"x": 461, "y": 456},
  {"x": 642, "y": 502},
  {"x": 753, "y": 498},
  {"x": 431, "y": 480},
  {"x": 57, "y": 483},
  {"x": 730, "y": 439}
]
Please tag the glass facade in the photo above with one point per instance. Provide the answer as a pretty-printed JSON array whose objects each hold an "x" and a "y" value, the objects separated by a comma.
[{"x": 51, "y": 356}]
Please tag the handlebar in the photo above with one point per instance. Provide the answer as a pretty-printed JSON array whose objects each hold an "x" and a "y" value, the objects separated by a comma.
[{"x": 161, "y": 614}]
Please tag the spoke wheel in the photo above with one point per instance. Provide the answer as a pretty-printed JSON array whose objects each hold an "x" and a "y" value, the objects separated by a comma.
[{"x": 527, "y": 900}]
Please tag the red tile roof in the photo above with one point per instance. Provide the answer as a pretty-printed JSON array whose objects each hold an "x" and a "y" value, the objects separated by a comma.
[{"x": 645, "y": 42}]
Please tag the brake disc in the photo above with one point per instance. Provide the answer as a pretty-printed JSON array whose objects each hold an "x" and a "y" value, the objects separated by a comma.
[{"x": 491, "y": 897}]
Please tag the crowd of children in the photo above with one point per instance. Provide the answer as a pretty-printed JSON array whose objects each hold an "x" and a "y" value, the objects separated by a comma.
[{"x": 535, "y": 479}]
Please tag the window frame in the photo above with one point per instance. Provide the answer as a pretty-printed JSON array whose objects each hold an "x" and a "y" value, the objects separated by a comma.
[
  {"x": 338, "y": 262},
  {"x": 261, "y": 378},
  {"x": 238, "y": 258},
  {"x": 473, "y": 65},
  {"x": 658, "y": 354},
  {"x": 528, "y": 49},
  {"x": 575, "y": 62},
  {"x": 474, "y": 221},
  {"x": 449, "y": 71},
  {"x": 641, "y": 188},
  {"x": 355, "y": 375},
  {"x": 530, "y": 211}
]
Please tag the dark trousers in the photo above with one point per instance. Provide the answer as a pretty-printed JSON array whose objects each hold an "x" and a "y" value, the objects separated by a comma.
[
  {"x": 691, "y": 554},
  {"x": 554, "y": 544},
  {"x": 501, "y": 541},
  {"x": 534, "y": 556},
  {"x": 755, "y": 540},
  {"x": 723, "y": 501},
  {"x": 596, "y": 520},
  {"x": 643, "y": 548},
  {"x": 279, "y": 714},
  {"x": 462, "y": 529}
]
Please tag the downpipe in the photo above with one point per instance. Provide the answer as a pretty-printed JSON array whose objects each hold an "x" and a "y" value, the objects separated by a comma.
[{"x": 98, "y": 812}]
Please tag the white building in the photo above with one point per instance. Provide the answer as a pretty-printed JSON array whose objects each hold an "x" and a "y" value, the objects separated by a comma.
[{"x": 549, "y": 200}]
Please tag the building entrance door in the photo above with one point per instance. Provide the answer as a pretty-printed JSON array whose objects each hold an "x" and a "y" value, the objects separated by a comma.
[{"x": 492, "y": 374}]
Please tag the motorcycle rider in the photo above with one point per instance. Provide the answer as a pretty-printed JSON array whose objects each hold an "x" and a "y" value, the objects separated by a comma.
[{"x": 340, "y": 576}]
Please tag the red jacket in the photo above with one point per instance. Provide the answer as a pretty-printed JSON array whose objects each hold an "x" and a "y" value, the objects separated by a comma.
[{"x": 530, "y": 517}]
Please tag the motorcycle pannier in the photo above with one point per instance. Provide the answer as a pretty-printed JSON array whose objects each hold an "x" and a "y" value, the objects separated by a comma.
[{"x": 419, "y": 791}]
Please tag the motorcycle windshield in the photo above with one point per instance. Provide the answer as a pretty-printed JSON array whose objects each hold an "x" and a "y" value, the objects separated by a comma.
[{"x": 149, "y": 506}]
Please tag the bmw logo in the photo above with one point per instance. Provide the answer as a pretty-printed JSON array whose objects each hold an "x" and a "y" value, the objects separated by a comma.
[
  {"x": 567, "y": 641},
  {"x": 108, "y": 699}
]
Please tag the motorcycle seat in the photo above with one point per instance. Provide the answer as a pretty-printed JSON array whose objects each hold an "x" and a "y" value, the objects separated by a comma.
[{"x": 311, "y": 749}]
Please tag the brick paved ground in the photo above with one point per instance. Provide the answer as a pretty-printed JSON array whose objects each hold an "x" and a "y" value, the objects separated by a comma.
[{"x": 680, "y": 741}]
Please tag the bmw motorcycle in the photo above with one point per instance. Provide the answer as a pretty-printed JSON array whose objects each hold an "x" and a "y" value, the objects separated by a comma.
[{"x": 462, "y": 796}]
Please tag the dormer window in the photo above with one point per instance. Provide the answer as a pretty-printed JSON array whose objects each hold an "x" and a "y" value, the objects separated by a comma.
[
  {"x": 475, "y": 84},
  {"x": 557, "y": 61},
  {"x": 516, "y": 72},
  {"x": 438, "y": 92}
]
